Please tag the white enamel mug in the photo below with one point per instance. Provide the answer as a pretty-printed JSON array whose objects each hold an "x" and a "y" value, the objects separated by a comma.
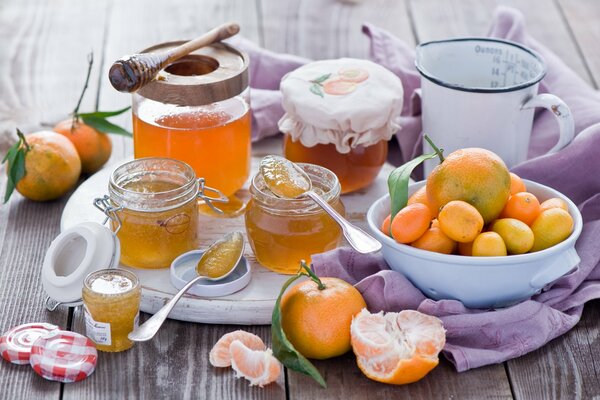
[{"x": 481, "y": 92}]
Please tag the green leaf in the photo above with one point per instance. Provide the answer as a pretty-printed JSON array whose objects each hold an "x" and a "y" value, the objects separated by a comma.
[
  {"x": 105, "y": 126},
  {"x": 16, "y": 164},
  {"x": 321, "y": 79},
  {"x": 283, "y": 350},
  {"x": 316, "y": 89},
  {"x": 104, "y": 114},
  {"x": 398, "y": 182}
]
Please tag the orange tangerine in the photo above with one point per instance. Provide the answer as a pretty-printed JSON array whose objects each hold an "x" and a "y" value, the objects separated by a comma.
[
  {"x": 554, "y": 202},
  {"x": 411, "y": 222},
  {"x": 517, "y": 235},
  {"x": 317, "y": 321},
  {"x": 460, "y": 221},
  {"x": 551, "y": 227},
  {"x": 396, "y": 348},
  {"x": 420, "y": 196},
  {"x": 386, "y": 224},
  {"x": 94, "y": 147},
  {"x": 523, "y": 206},
  {"x": 257, "y": 366},
  {"x": 476, "y": 176},
  {"x": 465, "y": 249},
  {"x": 219, "y": 355},
  {"x": 435, "y": 240},
  {"x": 516, "y": 184},
  {"x": 488, "y": 244}
]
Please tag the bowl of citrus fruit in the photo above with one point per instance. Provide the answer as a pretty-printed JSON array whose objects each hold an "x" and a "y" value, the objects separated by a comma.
[{"x": 475, "y": 232}]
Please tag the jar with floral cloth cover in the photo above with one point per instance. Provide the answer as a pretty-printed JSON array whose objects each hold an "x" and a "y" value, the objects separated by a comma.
[{"x": 340, "y": 114}]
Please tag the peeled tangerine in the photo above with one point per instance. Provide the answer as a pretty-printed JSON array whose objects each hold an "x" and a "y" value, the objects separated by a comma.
[
  {"x": 396, "y": 348},
  {"x": 247, "y": 354}
]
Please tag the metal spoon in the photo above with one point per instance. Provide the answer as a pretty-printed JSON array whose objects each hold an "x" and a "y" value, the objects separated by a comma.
[
  {"x": 148, "y": 329},
  {"x": 299, "y": 183}
]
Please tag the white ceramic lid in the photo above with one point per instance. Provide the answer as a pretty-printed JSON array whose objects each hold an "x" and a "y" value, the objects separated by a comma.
[
  {"x": 75, "y": 253},
  {"x": 347, "y": 102}
]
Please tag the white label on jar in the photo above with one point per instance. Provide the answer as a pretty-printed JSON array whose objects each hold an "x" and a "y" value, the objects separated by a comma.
[{"x": 99, "y": 332}]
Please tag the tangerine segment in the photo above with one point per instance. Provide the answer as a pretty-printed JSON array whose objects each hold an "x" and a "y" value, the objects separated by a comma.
[
  {"x": 523, "y": 206},
  {"x": 434, "y": 239},
  {"x": 488, "y": 244},
  {"x": 554, "y": 202},
  {"x": 397, "y": 348},
  {"x": 410, "y": 223},
  {"x": 317, "y": 321},
  {"x": 517, "y": 236},
  {"x": 460, "y": 221},
  {"x": 516, "y": 184},
  {"x": 283, "y": 177},
  {"x": 257, "y": 366},
  {"x": 551, "y": 227},
  {"x": 220, "y": 356},
  {"x": 222, "y": 256},
  {"x": 474, "y": 175}
]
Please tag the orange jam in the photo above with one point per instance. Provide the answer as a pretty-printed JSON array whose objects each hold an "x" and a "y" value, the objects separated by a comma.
[
  {"x": 355, "y": 170},
  {"x": 111, "y": 299},
  {"x": 213, "y": 139},
  {"x": 284, "y": 231},
  {"x": 159, "y": 216}
]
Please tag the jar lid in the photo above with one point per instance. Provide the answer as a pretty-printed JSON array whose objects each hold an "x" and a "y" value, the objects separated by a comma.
[
  {"x": 64, "y": 356},
  {"x": 16, "y": 343},
  {"x": 347, "y": 102},
  {"x": 75, "y": 253},
  {"x": 210, "y": 74}
]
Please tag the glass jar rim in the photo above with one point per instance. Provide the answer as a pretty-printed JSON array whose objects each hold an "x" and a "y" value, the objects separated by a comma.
[
  {"x": 158, "y": 200},
  {"x": 322, "y": 179},
  {"x": 128, "y": 274}
]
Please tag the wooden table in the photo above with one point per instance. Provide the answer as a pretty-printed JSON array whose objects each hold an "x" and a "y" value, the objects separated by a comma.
[{"x": 44, "y": 45}]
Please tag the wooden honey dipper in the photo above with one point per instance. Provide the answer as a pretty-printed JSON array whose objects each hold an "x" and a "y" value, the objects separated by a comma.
[{"x": 132, "y": 72}]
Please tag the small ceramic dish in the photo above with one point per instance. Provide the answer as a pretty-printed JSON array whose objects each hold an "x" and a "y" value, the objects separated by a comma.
[
  {"x": 479, "y": 282},
  {"x": 183, "y": 270}
]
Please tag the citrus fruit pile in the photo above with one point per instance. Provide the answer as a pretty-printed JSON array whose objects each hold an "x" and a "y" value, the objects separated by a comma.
[{"x": 473, "y": 206}]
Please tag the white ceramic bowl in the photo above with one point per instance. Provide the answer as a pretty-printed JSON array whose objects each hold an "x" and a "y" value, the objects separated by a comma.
[{"x": 479, "y": 282}]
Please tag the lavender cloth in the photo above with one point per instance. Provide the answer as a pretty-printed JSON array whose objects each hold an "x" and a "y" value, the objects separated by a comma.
[{"x": 475, "y": 337}]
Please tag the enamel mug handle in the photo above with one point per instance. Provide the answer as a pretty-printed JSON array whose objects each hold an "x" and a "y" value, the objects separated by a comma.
[{"x": 561, "y": 112}]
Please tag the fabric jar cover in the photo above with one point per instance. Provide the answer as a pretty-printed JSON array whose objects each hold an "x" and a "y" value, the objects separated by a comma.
[
  {"x": 347, "y": 102},
  {"x": 64, "y": 356}
]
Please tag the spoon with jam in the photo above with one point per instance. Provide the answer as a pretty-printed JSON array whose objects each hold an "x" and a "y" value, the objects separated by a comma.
[
  {"x": 287, "y": 180},
  {"x": 216, "y": 264}
]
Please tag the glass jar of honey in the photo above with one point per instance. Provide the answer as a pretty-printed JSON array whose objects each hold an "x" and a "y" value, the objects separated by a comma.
[
  {"x": 284, "y": 231},
  {"x": 340, "y": 114},
  {"x": 198, "y": 111},
  {"x": 111, "y": 299},
  {"x": 154, "y": 210}
]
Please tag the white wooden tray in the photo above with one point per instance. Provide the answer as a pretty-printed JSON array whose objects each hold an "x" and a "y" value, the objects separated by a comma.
[{"x": 251, "y": 306}]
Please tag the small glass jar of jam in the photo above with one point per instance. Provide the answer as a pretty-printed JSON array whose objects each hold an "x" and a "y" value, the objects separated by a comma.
[
  {"x": 111, "y": 299},
  {"x": 284, "y": 231},
  {"x": 198, "y": 111},
  {"x": 340, "y": 114},
  {"x": 154, "y": 210}
]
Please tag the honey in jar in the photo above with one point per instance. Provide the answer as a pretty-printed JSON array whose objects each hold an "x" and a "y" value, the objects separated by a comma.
[
  {"x": 198, "y": 111},
  {"x": 282, "y": 231},
  {"x": 340, "y": 114},
  {"x": 156, "y": 201},
  {"x": 111, "y": 299}
]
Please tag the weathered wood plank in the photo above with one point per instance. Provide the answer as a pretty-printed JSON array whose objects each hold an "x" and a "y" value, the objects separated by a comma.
[
  {"x": 174, "y": 364},
  {"x": 320, "y": 29},
  {"x": 437, "y": 19},
  {"x": 582, "y": 16}
]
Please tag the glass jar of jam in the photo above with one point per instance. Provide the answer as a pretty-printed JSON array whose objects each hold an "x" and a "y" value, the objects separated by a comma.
[
  {"x": 340, "y": 114},
  {"x": 198, "y": 111},
  {"x": 111, "y": 299},
  {"x": 154, "y": 210},
  {"x": 284, "y": 231}
]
